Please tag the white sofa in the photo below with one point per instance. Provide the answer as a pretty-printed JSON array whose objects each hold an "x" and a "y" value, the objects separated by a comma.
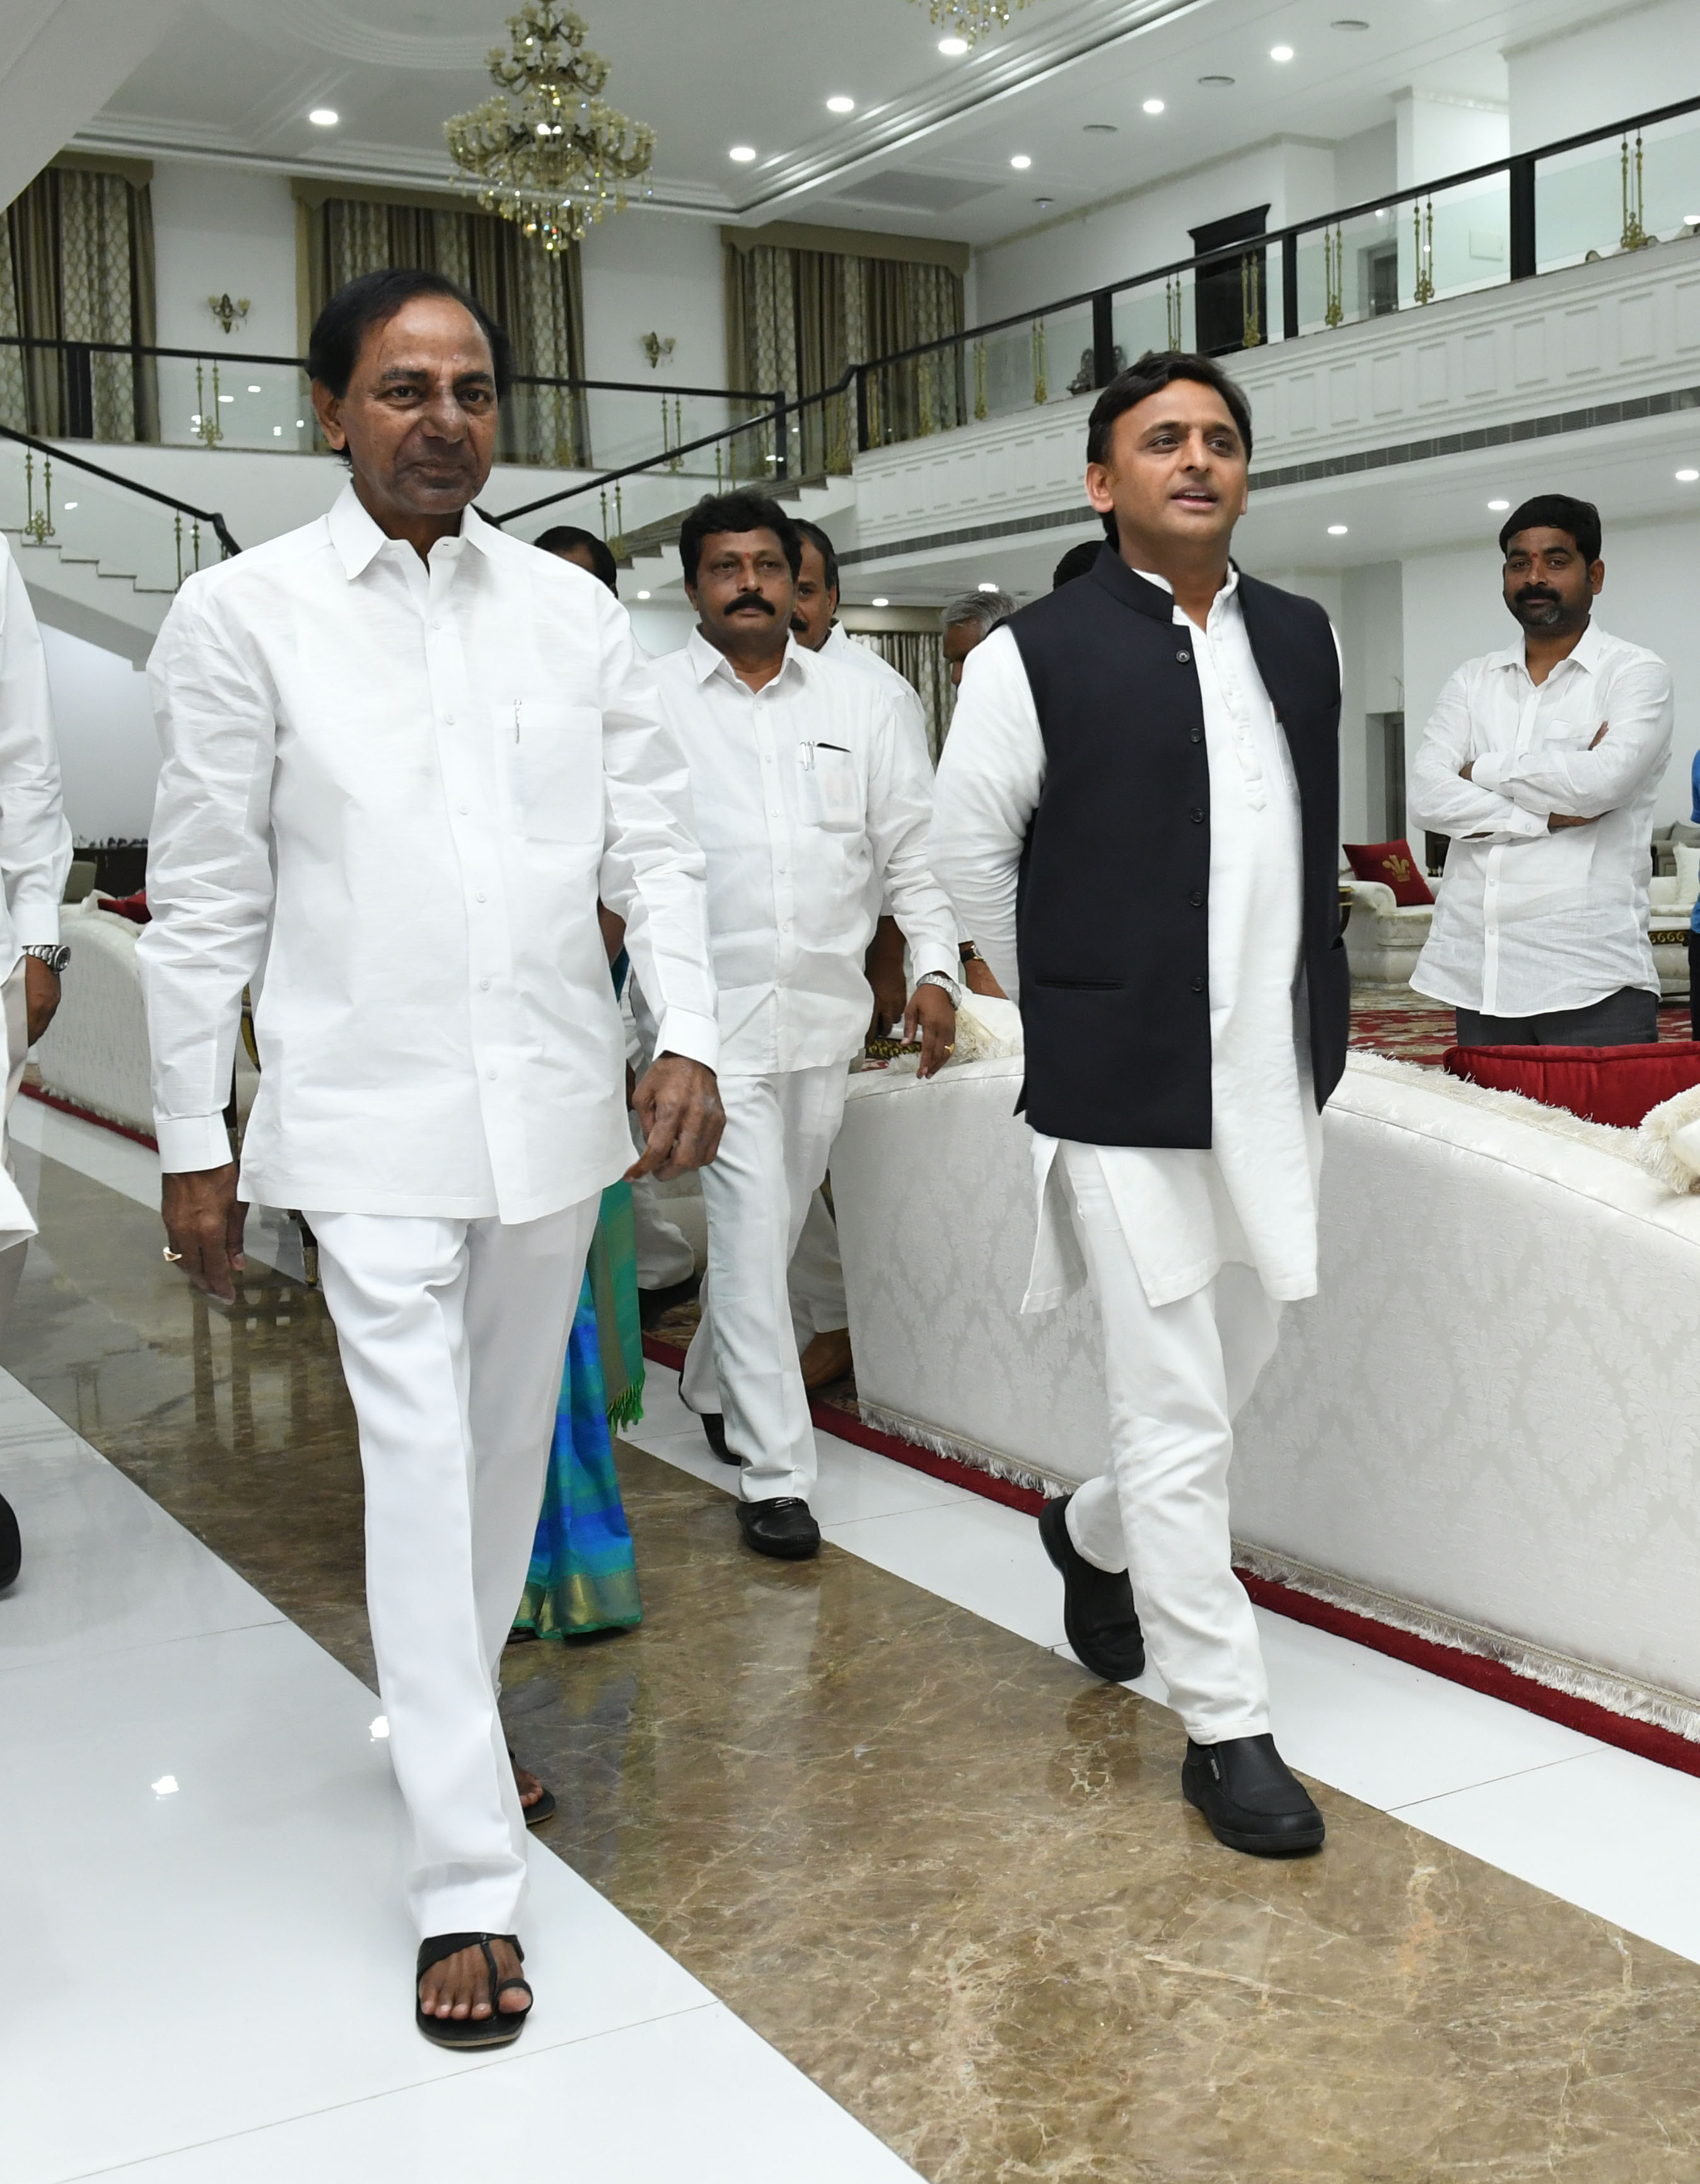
[
  {"x": 1486, "y": 1426},
  {"x": 1382, "y": 940},
  {"x": 94, "y": 1053}
]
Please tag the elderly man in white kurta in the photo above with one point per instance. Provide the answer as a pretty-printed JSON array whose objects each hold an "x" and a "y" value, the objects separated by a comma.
[
  {"x": 403, "y": 756},
  {"x": 1136, "y": 816}
]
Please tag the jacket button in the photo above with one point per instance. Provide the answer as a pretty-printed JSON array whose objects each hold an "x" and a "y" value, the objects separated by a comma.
[
  {"x": 1185, "y": 658},
  {"x": 1197, "y": 736},
  {"x": 1198, "y": 985},
  {"x": 1196, "y": 816},
  {"x": 1196, "y": 897}
]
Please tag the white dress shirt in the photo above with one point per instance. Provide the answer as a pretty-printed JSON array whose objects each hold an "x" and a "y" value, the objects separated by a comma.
[
  {"x": 392, "y": 791},
  {"x": 805, "y": 792},
  {"x": 35, "y": 841},
  {"x": 1529, "y": 920},
  {"x": 1251, "y": 1198},
  {"x": 841, "y": 648}
]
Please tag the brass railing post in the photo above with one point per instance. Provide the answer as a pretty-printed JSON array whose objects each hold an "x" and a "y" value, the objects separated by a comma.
[
  {"x": 1172, "y": 311},
  {"x": 178, "y": 520},
  {"x": 1041, "y": 391},
  {"x": 1334, "y": 275},
  {"x": 1635, "y": 236},
  {"x": 979, "y": 379},
  {"x": 1424, "y": 290},
  {"x": 1251, "y": 314}
]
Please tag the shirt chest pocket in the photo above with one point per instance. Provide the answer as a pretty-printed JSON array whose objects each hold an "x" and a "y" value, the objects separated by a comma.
[
  {"x": 555, "y": 755},
  {"x": 830, "y": 788}
]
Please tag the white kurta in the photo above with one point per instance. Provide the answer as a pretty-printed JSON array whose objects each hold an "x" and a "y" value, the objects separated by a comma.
[{"x": 1251, "y": 1198}]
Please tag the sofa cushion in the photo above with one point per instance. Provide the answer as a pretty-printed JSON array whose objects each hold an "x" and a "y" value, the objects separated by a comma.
[
  {"x": 1393, "y": 865},
  {"x": 1612, "y": 1084}
]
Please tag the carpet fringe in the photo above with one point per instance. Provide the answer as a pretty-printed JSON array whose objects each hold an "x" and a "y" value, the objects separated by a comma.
[{"x": 961, "y": 1449}]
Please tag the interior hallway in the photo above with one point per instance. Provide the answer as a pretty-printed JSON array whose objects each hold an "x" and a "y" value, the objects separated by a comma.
[{"x": 865, "y": 1810}]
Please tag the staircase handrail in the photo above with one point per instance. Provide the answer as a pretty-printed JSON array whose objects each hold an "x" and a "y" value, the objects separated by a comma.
[{"x": 56, "y": 452}]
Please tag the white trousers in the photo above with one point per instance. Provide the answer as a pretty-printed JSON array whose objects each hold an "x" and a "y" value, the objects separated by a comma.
[
  {"x": 1176, "y": 1375},
  {"x": 664, "y": 1253},
  {"x": 742, "y": 1357},
  {"x": 17, "y": 1023},
  {"x": 453, "y": 1336},
  {"x": 816, "y": 1276}
]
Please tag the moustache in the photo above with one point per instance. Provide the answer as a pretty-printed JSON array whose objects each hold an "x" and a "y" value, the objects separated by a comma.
[{"x": 753, "y": 600}]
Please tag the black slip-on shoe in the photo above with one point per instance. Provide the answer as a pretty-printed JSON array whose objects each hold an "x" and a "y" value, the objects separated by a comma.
[
  {"x": 655, "y": 1304},
  {"x": 1252, "y": 1799},
  {"x": 782, "y": 1528},
  {"x": 713, "y": 1433},
  {"x": 11, "y": 1545},
  {"x": 1098, "y": 1618}
]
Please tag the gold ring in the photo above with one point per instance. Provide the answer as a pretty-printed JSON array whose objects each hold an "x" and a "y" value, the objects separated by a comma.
[{"x": 172, "y": 1258}]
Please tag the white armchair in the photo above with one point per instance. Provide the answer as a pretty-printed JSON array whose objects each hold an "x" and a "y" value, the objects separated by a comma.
[
  {"x": 1669, "y": 906},
  {"x": 1383, "y": 941}
]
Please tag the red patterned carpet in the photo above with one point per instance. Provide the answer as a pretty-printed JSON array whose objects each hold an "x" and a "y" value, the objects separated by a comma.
[{"x": 1414, "y": 1029}]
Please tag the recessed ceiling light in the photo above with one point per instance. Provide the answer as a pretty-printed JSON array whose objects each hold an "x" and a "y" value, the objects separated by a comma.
[
  {"x": 1021, "y": 162},
  {"x": 1348, "y": 23},
  {"x": 1497, "y": 507},
  {"x": 1336, "y": 530},
  {"x": 378, "y": 1727},
  {"x": 1044, "y": 203},
  {"x": 1217, "y": 82},
  {"x": 1154, "y": 106},
  {"x": 987, "y": 587},
  {"x": 323, "y": 117},
  {"x": 1280, "y": 52},
  {"x": 166, "y": 1786},
  {"x": 1687, "y": 477},
  {"x": 882, "y": 602},
  {"x": 69, "y": 505},
  {"x": 953, "y": 46},
  {"x": 1098, "y": 129},
  {"x": 744, "y": 153},
  {"x": 840, "y": 104},
  {"x": 643, "y": 595},
  {"x": 253, "y": 390}
]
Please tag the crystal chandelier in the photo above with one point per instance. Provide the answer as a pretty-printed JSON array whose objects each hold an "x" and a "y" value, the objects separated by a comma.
[
  {"x": 547, "y": 152},
  {"x": 972, "y": 21}
]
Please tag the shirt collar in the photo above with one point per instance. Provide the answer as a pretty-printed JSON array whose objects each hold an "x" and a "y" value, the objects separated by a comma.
[
  {"x": 1587, "y": 652},
  {"x": 705, "y": 660},
  {"x": 358, "y": 539},
  {"x": 1230, "y": 585}
]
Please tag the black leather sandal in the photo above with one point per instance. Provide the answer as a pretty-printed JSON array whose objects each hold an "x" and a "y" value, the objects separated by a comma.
[
  {"x": 543, "y": 1809},
  {"x": 500, "y": 2026}
]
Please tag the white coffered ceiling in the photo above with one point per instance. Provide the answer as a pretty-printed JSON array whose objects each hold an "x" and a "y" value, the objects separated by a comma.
[{"x": 926, "y": 151}]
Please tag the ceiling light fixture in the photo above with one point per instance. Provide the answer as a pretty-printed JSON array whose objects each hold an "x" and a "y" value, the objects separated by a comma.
[
  {"x": 882, "y": 602},
  {"x": 548, "y": 152},
  {"x": 1497, "y": 507},
  {"x": 1280, "y": 52},
  {"x": 1336, "y": 530},
  {"x": 1153, "y": 106},
  {"x": 953, "y": 47},
  {"x": 253, "y": 390},
  {"x": 323, "y": 117},
  {"x": 971, "y": 20},
  {"x": 1687, "y": 477},
  {"x": 1021, "y": 163},
  {"x": 1348, "y": 23},
  {"x": 1217, "y": 82},
  {"x": 744, "y": 153},
  {"x": 643, "y": 595},
  {"x": 1098, "y": 129},
  {"x": 839, "y": 103},
  {"x": 986, "y": 587},
  {"x": 1044, "y": 203}
]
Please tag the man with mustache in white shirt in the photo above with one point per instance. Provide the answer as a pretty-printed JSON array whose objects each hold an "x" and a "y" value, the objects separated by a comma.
[{"x": 403, "y": 756}]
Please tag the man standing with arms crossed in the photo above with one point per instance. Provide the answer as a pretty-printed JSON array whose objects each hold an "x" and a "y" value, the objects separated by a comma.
[
  {"x": 403, "y": 754},
  {"x": 1137, "y": 813},
  {"x": 807, "y": 796},
  {"x": 1543, "y": 763}
]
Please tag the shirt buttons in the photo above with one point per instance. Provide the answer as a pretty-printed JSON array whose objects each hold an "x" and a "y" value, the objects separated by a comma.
[
  {"x": 463, "y": 810},
  {"x": 478, "y": 897},
  {"x": 483, "y": 985},
  {"x": 1196, "y": 897},
  {"x": 1197, "y": 736},
  {"x": 1185, "y": 658},
  {"x": 491, "y": 1074},
  {"x": 1196, "y": 814},
  {"x": 1197, "y": 987}
]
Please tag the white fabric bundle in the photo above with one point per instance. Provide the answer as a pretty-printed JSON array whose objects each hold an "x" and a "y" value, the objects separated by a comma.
[
  {"x": 987, "y": 1029},
  {"x": 1669, "y": 1148}
]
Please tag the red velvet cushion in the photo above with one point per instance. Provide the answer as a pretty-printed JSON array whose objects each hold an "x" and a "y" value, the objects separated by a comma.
[
  {"x": 1601, "y": 1084},
  {"x": 1393, "y": 865},
  {"x": 132, "y": 907}
]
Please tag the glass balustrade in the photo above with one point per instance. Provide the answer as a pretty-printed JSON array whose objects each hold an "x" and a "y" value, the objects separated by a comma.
[
  {"x": 1157, "y": 314},
  {"x": 49, "y": 506},
  {"x": 1627, "y": 193},
  {"x": 1445, "y": 242}
]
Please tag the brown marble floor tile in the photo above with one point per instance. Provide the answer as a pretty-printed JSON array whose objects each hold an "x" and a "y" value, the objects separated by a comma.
[{"x": 943, "y": 1872}]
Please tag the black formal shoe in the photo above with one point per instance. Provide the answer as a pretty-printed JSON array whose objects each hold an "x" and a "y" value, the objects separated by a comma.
[
  {"x": 713, "y": 1433},
  {"x": 782, "y": 1529},
  {"x": 1252, "y": 1799},
  {"x": 655, "y": 1304},
  {"x": 1098, "y": 1618},
  {"x": 11, "y": 1546}
]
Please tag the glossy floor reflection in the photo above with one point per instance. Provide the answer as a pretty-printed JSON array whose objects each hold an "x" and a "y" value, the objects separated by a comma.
[{"x": 905, "y": 1842}]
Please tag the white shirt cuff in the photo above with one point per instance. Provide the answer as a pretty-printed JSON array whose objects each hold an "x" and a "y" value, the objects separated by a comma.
[
  {"x": 1484, "y": 772},
  {"x": 35, "y": 924},
  {"x": 929, "y": 956},
  {"x": 696, "y": 1038},
  {"x": 188, "y": 1142},
  {"x": 1527, "y": 822}
]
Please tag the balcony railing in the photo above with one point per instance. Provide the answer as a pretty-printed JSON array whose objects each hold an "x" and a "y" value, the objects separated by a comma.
[{"x": 54, "y": 501}]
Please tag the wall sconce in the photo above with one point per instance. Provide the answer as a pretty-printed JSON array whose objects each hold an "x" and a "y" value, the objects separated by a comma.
[
  {"x": 656, "y": 346},
  {"x": 225, "y": 312}
]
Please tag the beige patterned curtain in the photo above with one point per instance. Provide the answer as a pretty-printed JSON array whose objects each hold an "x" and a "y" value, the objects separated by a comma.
[
  {"x": 538, "y": 299},
  {"x": 798, "y": 318},
  {"x": 918, "y": 656},
  {"x": 76, "y": 265}
]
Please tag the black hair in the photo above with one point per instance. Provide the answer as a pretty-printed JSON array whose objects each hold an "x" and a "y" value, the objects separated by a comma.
[
  {"x": 736, "y": 511},
  {"x": 1156, "y": 370},
  {"x": 1077, "y": 561},
  {"x": 823, "y": 545},
  {"x": 1579, "y": 520},
  {"x": 373, "y": 299},
  {"x": 565, "y": 537}
]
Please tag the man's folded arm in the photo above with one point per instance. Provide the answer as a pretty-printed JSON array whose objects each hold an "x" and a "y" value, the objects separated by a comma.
[
  {"x": 1587, "y": 782},
  {"x": 1442, "y": 801}
]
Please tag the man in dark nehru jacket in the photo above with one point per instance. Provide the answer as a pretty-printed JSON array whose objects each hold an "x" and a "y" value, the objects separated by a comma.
[{"x": 1136, "y": 816}]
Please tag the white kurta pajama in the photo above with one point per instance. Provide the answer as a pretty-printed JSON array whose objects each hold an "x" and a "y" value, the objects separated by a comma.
[
  {"x": 391, "y": 794},
  {"x": 1191, "y": 1253},
  {"x": 806, "y": 792}
]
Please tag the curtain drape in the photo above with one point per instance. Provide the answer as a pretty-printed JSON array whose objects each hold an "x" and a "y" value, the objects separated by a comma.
[
  {"x": 799, "y": 319},
  {"x": 76, "y": 265},
  {"x": 538, "y": 298},
  {"x": 918, "y": 656}
]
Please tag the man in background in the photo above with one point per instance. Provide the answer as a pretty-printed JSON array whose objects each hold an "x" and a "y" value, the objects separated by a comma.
[
  {"x": 1078, "y": 561},
  {"x": 585, "y": 550},
  {"x": 1542, "y": 762},
  {"x": 35, "y": 858},
  {"x": 968, "y": 621}
]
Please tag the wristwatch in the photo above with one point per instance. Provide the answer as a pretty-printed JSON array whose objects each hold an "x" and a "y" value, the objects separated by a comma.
[
  {"x": 53, "y": 953},
  {"x": 951, "y": 991}
]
